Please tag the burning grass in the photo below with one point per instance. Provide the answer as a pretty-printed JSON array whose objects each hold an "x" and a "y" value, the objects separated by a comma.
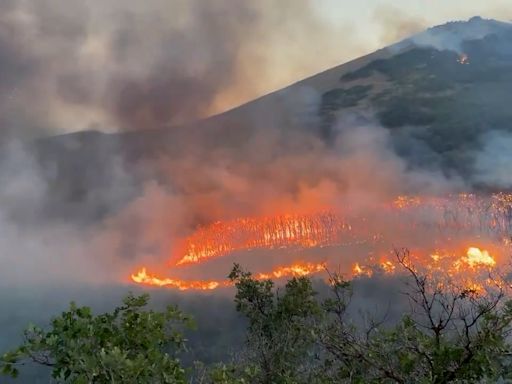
[{"x": 472, "y": 235}]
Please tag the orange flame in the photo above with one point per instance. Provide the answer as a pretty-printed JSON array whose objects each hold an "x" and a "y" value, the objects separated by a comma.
[
  {"x": 328, "y": 229},
  {"x": 297, "y": 269},
  {"x": 142, "y": 277},
  {"x": 286, "y": 231},
  {"x": 442, "y": 263},
  {"x": 293, "y": 270},
  {"x": 466, "y": 215},
  {"x": 477, "y": 257}
]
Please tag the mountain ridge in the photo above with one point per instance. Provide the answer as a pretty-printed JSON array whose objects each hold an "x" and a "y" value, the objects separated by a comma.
[
  {"x": 323, "y": 80},
  {"x": 437, "y": 108}
]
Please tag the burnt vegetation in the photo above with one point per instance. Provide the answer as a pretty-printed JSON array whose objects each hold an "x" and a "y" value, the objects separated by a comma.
[{"x": 304, "y": 331}]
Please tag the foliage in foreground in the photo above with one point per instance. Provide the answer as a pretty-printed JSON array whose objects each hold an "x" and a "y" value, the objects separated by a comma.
[
  {"x": 129, "y": 345},
  {"x": 451, "y": 334}
]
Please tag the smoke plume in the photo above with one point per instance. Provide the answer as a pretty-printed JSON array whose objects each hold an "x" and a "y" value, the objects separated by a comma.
[
  {"x": 88, "y": 209},
  {"x": 126, "y": 65}
]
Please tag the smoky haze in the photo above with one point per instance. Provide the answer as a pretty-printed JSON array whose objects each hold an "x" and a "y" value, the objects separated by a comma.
[
  {"x": 101, "y": 205},
  {"x": 125, "y": 65},
  {"x": 72, "y": 65},
  {"x": 85, "y": 210}
]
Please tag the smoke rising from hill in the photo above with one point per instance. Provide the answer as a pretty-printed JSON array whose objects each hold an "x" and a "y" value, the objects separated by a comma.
[
  {"x": 70, "y": 65},
  {"x": 278, "y": 165},
  {"x": 128, "y": 65},
  {"x": 493, "y": 161},
  {"x": 149, "y": 66}
]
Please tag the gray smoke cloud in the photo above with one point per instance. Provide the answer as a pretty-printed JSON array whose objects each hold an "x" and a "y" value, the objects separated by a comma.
[
  {"x": 452, "y": 36},
  {"x": 98, "y": 206},
  {"x": 493, "y": 161},
  {"x": 70, "y": 65},
  {"x": 74, "y": 65}
]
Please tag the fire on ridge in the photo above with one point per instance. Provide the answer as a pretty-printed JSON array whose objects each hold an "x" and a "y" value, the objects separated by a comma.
[
  {"x": 284, "y": 231},
  {"x": 297, "y": 269},
  {"x": 454, "y": 214}
]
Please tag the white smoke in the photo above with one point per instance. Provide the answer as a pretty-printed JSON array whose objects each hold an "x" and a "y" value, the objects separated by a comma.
[{"x": 492, "y": 163}]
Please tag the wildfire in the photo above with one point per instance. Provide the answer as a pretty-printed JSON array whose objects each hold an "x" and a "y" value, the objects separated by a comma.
[
  {"x": 297, "y": 269},
  {"x": 461, "y": 212},
  {"x": 406, "y": 201},
  {"x": 361, "y": 270},
  {"x": 285, "y": 231},
  {"x": 463, "y": 59},
  {"x": 453, "y": 222},
  {"x": 444, "y": 263},
  {"x": 477, "y": 257}
]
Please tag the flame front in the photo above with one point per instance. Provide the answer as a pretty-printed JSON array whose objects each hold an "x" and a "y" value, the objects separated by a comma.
[
  {"x": 461, "y": 212},
  {"x": 297, "y": 269},
  {"x": 460, "y": 221},
  {"x": 444, "y": 262},
  {"x": 477, "y": 257},
  {"x": 142, "y": 277},
  {"x": 286, "y": 231},
  {"x": 293, "y": 270}
]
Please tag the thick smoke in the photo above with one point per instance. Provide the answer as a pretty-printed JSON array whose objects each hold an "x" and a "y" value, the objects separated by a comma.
[
  {"x": 277, "y": 170},
  {"x": 74, "y": 65},
  {"x": 493, "y": 162},
  {"x": 280, "y": 173},
  {"x": 70, "y": 65},
  {"x": 127, "y": 65},
  {"x": 453, "y": 35},
  {"x": 395, "y": 24},
  {"x": 36, "y": 250},
  {"x": 67, "y": 66}
]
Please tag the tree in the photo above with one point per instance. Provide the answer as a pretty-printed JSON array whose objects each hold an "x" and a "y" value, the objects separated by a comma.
[
  {"x": 128, "y": 345},
  {"x": 281, "y": 325},
  {"x": 451, "y": 334}
]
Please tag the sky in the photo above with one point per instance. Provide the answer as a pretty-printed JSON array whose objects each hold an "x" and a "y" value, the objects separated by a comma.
[
  {"x": 375, "y": 23},
  {"x": 71, "y": 65}
]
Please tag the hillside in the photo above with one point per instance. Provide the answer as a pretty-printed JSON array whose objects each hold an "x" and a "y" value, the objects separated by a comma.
[{"x": 438, "y": 93}]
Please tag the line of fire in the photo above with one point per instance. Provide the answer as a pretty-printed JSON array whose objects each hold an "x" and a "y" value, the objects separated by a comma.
[{"x": 464, "y": 235}]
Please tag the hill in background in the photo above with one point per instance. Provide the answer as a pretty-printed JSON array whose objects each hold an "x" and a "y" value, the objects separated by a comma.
[{"x": 443, "y": 95}]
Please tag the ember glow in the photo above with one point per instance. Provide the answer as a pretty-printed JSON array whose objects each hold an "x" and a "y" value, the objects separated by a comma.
[
  {"x": 458, "y": 235},
  {"x": 477, "y": 257},
  {"x": 297, "y": 269},
  {"x": 286, "y": 231},
  {"x": 455, "y": 264},
  {"x": 142, "y": 277}
]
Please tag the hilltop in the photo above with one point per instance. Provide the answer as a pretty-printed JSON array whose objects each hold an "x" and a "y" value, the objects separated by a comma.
[{"x": 439, "y": 93}]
